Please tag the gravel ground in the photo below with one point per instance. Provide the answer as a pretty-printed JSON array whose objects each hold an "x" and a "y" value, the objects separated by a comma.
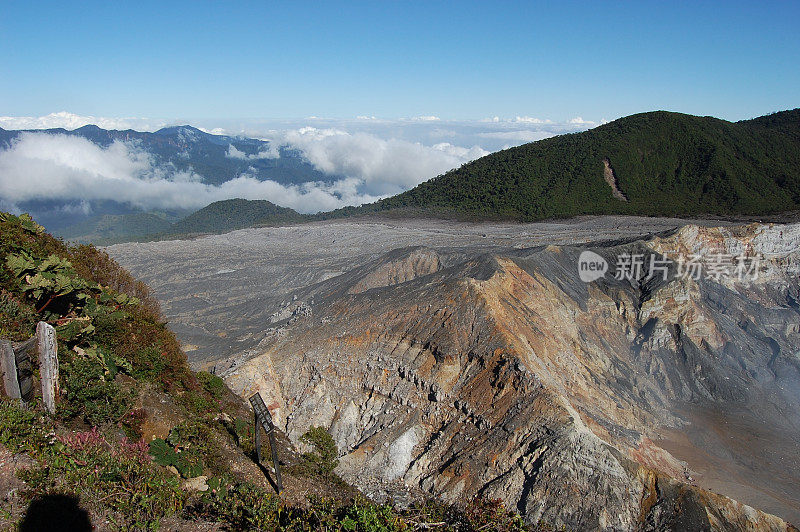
[{"x": 219, "y": 291}]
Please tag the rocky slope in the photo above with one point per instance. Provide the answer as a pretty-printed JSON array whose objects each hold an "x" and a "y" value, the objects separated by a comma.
[{"x": 588, "y": 405}]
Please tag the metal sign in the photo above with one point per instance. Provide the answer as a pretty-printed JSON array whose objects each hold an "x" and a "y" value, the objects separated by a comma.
[{"x": 263, "y": 419}]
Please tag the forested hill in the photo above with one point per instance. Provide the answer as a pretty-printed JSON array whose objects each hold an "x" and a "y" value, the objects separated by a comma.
[
  {"x": 661, "y": 163},
  {"x": 229, "y": 215}
]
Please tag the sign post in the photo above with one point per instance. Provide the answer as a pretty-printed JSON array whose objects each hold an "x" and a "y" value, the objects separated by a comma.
[{"x": 263, "y": 419}]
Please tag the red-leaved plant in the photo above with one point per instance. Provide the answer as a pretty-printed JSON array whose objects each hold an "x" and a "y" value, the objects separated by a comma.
[{"x": 92, "y": 441}]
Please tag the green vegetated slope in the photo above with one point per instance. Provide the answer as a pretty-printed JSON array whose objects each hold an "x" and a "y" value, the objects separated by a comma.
[
  {"x": 233, "y": 214},
  {"x": 111, "y": 227},
  {"x": 217, "y": 217},
  {"x": 665, "y": 164},
  {"x": 138, "y": 440}
]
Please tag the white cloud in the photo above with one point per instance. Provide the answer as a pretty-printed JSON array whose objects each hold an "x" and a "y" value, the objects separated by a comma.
[
  {"x": 429, "y": 118},
  {"x": 272, "y": 152},
  {"x": 456, "y": 132},
  {"x": 531, "y": 120},
  {"x": 384, "y": 166},
  {"x": 71, "y": 121},
  {"x": 213, "y": 131},
  {"x": 79, "y": 207},
  {"x": 519, "y": 120},
  {"x": 581, "y": 122},
  {"x": 40, "y": 166},
  {"x": 524, "y": 135}
]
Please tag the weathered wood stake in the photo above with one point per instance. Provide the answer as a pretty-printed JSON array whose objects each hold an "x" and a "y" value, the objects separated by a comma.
[
  {"x": 48, "y": 364},
  {"x": 8, "y": 366},
  {"x": 17, "y": 366}
]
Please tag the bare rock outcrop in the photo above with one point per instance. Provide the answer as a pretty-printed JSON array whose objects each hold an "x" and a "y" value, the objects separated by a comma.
[
  {"x": 611, "y": 178},
  {"x": 404, "y": 266}
]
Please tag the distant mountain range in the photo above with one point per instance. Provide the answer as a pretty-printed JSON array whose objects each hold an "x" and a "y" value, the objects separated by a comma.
[
  {"x": 657, "y": 163},
  {"x": 207, "y": 155}
]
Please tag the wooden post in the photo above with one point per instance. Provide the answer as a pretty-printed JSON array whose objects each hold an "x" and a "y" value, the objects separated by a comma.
[
  {"x": 258, "y": 437},
  {"x": 273, "y": 445},
  {"x": 48, "y": 364},
  {"x": 8, "y": 367}
]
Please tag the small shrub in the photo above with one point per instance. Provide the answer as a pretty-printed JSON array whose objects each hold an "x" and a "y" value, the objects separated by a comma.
[
  {"x": 17, "y": 319},
  {"x": 243, "y": 434},
  {"x": 198, "y": 404},
  {"x": 188, "y": 463},
  {"x": 148, "y": 363},
  {"x": 366, "y": 516},
  {"x": 89, "y": 395},
  {"x": 22, "y": 429},
  {"x": 483, "y": 514},
  {"x": 323, "y": 459},
  {"x": 183, "y": 449},
  {"x": 212, "y": 384},
  {"x": 243, "y": 507}
]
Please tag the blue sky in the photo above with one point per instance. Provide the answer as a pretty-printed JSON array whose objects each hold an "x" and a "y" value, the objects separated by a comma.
[{"x": 455, "y": 60}]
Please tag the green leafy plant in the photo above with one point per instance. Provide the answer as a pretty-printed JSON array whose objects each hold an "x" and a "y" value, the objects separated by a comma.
[
  {"x": 110, "y": 361},
  {"x": 182, "y": 449},
  {"x": 24, "y": 220},
  {"x": 188, "y": 464},
  {"x": 242, "y": 433},
  {"x": 44, "y": 280},
  {"x": 245, "y": 506}
]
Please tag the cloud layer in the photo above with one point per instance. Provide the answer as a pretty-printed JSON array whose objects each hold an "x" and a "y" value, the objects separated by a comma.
[
  {"x": 383, "y": 166},
  {"x": 71, "y": 121},
  {"x": 41, "y": 166},
  {"x": 367, "y": 158}
]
